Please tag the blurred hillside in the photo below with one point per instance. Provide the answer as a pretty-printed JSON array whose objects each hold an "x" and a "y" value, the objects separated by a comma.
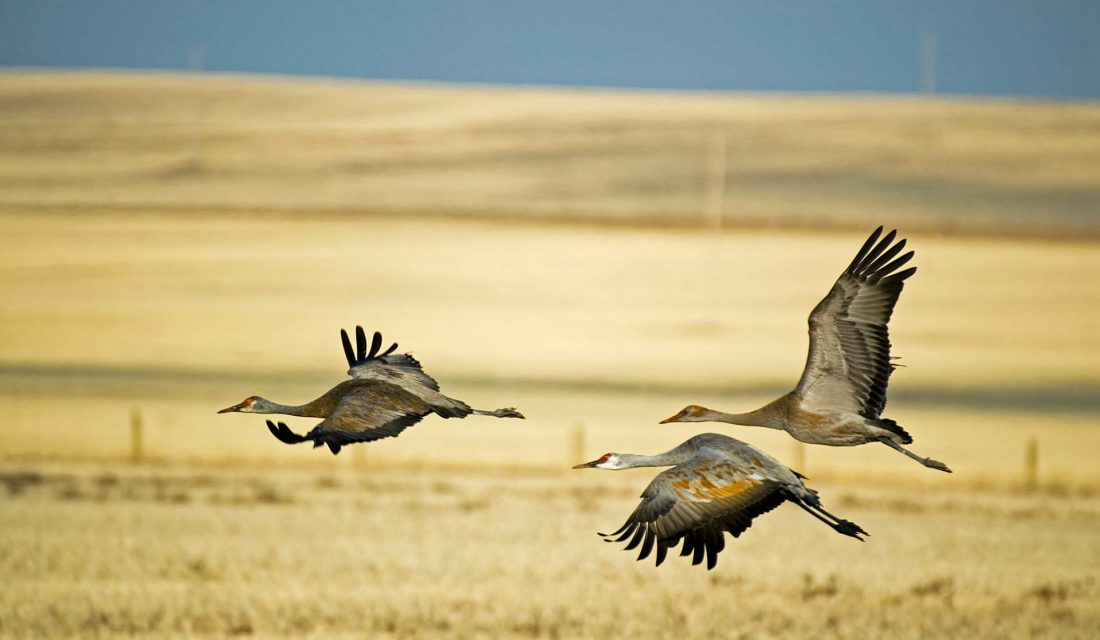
[{"x": 225, "y": 143}]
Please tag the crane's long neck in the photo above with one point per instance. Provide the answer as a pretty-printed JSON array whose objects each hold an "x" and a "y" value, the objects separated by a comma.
[
  {"x": 680, "y": 454},
  {"x": 312, "y": 409},
  {"x": 772, "y": 415},
  {"x": 750, "y": 419}
]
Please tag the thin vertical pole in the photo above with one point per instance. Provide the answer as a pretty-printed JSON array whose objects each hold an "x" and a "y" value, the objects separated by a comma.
[
  {"x": 137, "y": 439},
  {"x": 1031, "y": 464}
]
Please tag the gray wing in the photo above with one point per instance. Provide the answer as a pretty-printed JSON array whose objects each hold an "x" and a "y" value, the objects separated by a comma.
[
  {"x": 369, "y": 412},
  {"x": 848, "y": 366},
  {"x": 400, "y": 369},
  {"x": 698, "y": 502}
]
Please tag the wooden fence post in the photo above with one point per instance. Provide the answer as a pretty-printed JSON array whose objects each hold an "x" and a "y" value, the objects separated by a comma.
[
  {"x": 1031, "y": 464},
  {"x": 137, "y": 440}
]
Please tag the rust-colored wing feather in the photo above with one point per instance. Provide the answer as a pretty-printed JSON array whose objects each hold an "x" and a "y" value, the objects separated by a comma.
[
  {"x": 849, "y": 365},
  {"x": 697, "y": 503}
]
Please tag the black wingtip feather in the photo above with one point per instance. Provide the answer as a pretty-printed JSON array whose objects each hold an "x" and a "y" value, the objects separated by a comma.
[
  {"x": 700, "y": 549},
  {"x": 348, "y": 352},
  {"x": 628, "y": 532},
  {"x": 647, "y": 544},
  {"x": 284, "y": 434},
  {"x": 889, "y": 269},
  {"x": 874, "y": 253},
  {"x": 875, "y": 268},
  {"x": 375, "y": 344},
  {"x": 713, "y": 546},
  {"x": 863, "y": 250},
  {"x": 617, "y": 531},
  {"x": 360, "y": 343},
  {"x": 361, "y": 354},
  {"x": 639, "y": 534},
  {"x": 900, "y": 276}
]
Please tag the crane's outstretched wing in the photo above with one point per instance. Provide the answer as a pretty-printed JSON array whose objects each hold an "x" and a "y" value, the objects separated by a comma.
[
  {"x": 365, "y": 413},
  {"x": 400, "y": 369},
  {"x": 697, "y": 502},
  {"x": 848, "y": 366}
]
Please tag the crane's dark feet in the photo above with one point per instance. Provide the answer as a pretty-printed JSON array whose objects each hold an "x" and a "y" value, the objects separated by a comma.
[
  {"x": 935, "y": 464},
  {"x": 928, "y": 462},
  {"x": 508, "y": 412},
  {"x": 849, "y": 528}
]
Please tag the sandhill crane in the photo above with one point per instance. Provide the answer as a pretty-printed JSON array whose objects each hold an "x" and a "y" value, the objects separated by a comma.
[
  {"x": 387, "y": 393},
  {"x": 842, "y": 392},
  {"x": 717, "y": 485}
]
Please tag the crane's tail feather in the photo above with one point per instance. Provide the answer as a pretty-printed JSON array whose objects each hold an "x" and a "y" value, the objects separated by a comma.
[{"x": 894, "y": 428}]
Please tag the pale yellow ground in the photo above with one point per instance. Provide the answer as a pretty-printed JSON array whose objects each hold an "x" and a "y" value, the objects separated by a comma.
[{"x": 175, "y": 552}]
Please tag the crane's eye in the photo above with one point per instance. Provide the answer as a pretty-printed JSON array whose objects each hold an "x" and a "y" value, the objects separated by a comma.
[{"x": 604, "y": 458}]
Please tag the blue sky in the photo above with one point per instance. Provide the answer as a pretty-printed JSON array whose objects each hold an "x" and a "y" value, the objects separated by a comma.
[{"x": 1036, "y": 49}]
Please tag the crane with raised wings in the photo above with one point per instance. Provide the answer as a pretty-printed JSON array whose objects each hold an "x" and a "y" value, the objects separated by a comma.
[
  {"x": 840, "y": 398},
  {"x": 387, "y": 393}
]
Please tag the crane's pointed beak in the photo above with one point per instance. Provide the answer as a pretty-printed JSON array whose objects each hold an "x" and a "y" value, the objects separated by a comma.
[
  {"x": 236, "y": 407},
  {"x": 668, "y": 420},
  {"x": 587, "y": 465}
]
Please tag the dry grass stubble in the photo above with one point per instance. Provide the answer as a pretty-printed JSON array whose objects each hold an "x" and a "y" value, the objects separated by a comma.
[{"x": 426, "y": 554}]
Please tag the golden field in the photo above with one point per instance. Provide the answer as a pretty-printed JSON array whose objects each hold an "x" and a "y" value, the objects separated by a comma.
[
  {"x": 170, "y": 245},
  {"x": 396, "y": 553}
]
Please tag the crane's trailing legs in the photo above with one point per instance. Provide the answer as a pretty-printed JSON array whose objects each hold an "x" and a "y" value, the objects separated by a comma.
[
  {"x": 928, "y": 462},
  {"x": 840, "y": 525},
  {"x": 508, "y": 412}
]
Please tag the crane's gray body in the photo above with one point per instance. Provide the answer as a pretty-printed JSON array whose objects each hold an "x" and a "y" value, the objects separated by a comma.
[
  {"x": 716, "y": 485},
  {"x": 841, "y": 395},
  {"x": 387, "y": 394}
]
